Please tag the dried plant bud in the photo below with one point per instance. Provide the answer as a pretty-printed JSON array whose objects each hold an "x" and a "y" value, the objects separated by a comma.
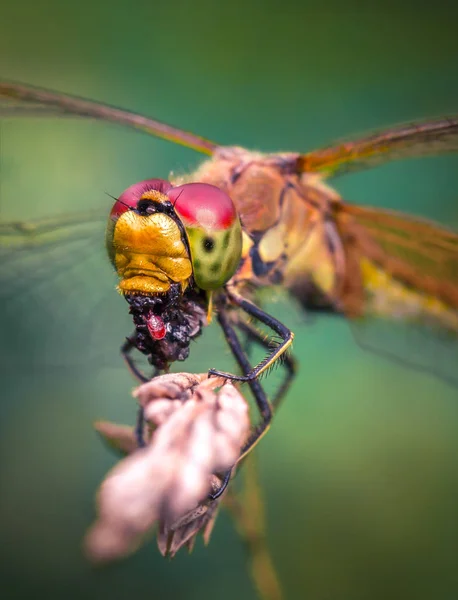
[
  {"x": 173, "y": 386},
  {"x": 196, "y": 432},
  {"x": 118, "y": 437},
  {"x": 170, "y": 538}
]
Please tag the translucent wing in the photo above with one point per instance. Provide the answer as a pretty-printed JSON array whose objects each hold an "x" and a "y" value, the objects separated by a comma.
[
  {"x": 408, "y": 269},
  {"x": 404, "y": 141},
  {"x": 58, "y": 301},
  {"x": 427, "y": 251},
  {"x": 20, "y": 100}
]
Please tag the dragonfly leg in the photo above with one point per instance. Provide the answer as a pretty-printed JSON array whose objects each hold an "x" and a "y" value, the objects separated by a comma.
[
  {"x": 260, "y": 397},
  {"x": 224, "y": 484},
  {"x": 126, "y": 350},
  {"x": 139, "y": 427},
  {"x": 287, "y": 361},
  {"x": 285, "y": 334}
]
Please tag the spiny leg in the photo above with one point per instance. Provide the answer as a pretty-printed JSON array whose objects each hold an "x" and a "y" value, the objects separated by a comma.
[
  {"x": 287, "y": 361},
  {"x": 260, "y": 397},
  {"x": 285, "y": 334}
]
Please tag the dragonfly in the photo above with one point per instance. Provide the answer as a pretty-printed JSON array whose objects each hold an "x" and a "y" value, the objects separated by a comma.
[{"x": 205, "y": 245}]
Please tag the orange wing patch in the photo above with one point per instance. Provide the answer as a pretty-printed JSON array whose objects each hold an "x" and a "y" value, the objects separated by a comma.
[{"x": 405, "y": 141}]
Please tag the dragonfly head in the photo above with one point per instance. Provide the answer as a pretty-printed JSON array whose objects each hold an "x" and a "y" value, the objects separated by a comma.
[
  {"x": 158, "y": 235},
  {"x": 171, "y": 246}
]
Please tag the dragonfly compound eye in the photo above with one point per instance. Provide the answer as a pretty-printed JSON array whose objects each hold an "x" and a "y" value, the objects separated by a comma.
[{"x": 213, "y": 229}]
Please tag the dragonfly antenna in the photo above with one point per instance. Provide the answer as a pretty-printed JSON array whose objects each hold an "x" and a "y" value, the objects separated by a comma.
[
  {"x": 177, "y": 198},
  {"x": 118, "y": 200}
]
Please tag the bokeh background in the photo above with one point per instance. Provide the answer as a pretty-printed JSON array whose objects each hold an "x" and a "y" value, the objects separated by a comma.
[{"x": 360, "y": 469}]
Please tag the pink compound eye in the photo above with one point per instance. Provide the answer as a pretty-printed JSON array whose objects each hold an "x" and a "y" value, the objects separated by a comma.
[
  {"x": 203, "y": 205},
  {"x": 129, "y": 198}
]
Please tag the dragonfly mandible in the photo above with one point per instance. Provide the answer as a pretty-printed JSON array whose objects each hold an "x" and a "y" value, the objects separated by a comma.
[{"x": 206, "y": 243}]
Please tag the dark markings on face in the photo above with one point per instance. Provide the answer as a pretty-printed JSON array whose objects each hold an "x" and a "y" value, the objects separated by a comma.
[
  {"x": 227, "y": 239},
  {"x": 215, "y": 267},
  {"x": 208, "y": 244}
]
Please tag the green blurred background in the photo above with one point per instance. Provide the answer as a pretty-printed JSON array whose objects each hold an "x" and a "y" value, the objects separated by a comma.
[{"x": 360, "y": 468}]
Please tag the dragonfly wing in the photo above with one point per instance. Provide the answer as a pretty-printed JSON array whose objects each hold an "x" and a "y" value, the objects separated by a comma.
[
  {"x": 58, "y": 299},
  {"x": 19, "y": 100},
  {"x": 409, "y": 273},
  {"x": 404, "y": 141},
  {"x": 427, "y": 350}
]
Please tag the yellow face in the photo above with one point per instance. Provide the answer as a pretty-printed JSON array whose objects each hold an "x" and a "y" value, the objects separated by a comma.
[{"x": 148, "y": 250}]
